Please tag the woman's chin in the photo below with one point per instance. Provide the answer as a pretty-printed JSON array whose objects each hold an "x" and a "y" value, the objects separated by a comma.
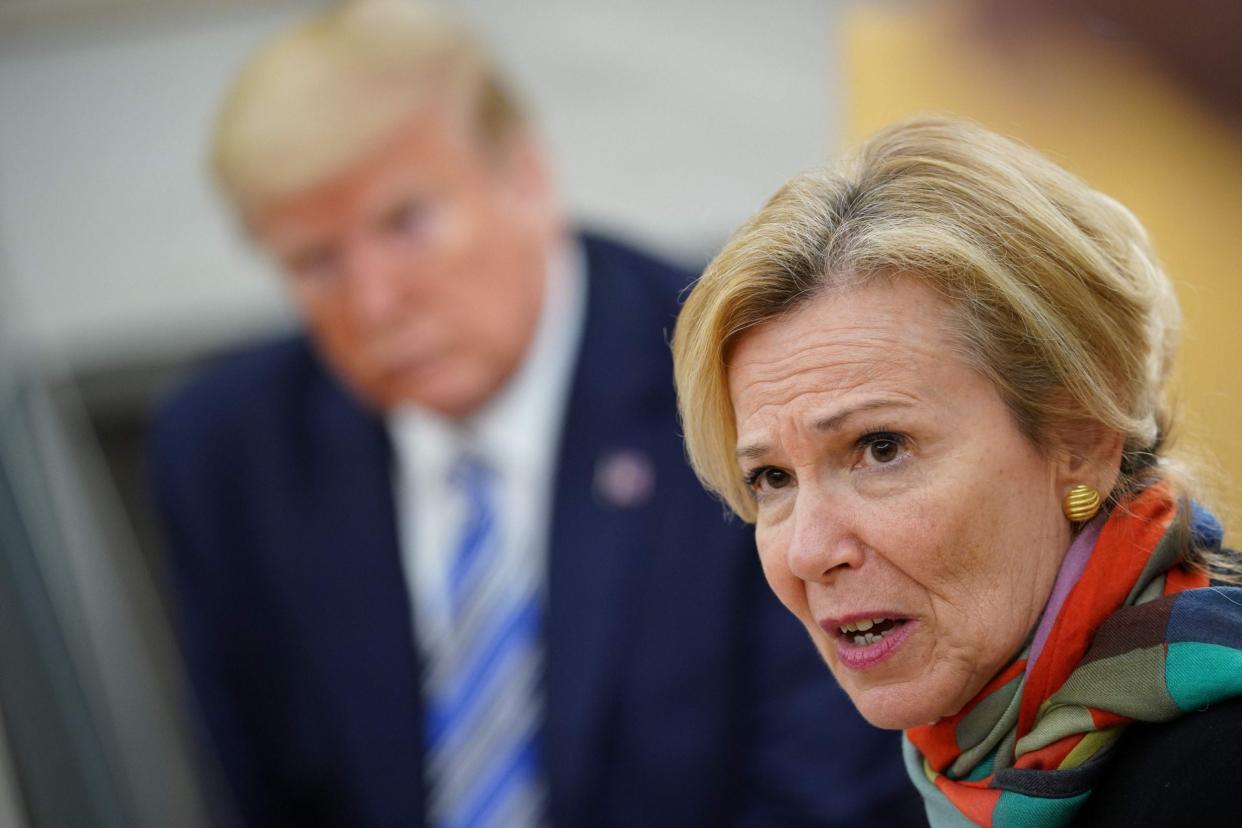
[
  {"x": 895, "y": 706},
  {"x": 889, "y": 719}
]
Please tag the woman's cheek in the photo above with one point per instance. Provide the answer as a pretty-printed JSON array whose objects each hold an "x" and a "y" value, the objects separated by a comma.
[{"x": 787, "y": 586}]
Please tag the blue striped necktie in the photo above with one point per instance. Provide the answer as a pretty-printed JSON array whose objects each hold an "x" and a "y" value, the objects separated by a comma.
[{"x": 482, "y": 686}]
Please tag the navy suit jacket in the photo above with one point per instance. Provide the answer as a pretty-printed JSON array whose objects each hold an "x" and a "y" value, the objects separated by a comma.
[{"x": 678, "y": 691}]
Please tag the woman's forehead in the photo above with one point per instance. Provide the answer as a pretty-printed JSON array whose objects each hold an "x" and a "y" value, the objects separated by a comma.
[{"x": 884, "y": 330}]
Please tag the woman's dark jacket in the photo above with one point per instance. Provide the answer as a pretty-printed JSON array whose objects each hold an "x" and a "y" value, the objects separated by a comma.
[{"x": 1184, "y": 772}]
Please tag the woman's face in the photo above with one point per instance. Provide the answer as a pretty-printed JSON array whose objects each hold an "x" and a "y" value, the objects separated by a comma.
[{"x": 902, "y": 515}]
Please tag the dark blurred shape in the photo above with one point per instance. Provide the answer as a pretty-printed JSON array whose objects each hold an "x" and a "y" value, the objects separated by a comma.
[
  {"x": 88, "y": 688},
  {"x": 58, "y": 759},
  {"x": 1195, "y": 41}
]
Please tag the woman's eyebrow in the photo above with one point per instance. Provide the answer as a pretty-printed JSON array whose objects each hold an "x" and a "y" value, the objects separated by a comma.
[
  {"x": 832, "y": 422},
  {"x": 752, "y": 450},
  {"x": 836, "y": 421}
]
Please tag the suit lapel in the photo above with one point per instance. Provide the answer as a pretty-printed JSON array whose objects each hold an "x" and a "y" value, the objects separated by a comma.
[
  {"x": 598, "y": 546},
  {"x": 356, "y": 600}
]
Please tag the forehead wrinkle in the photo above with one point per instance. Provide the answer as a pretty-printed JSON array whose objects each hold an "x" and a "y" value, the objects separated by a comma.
[
  {"x": 866, "y": 336},
  {"x": 775, "y": 371},
  {"x": 794, "y": 379}
]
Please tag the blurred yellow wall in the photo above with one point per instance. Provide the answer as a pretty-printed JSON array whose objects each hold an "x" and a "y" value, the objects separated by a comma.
[{"x": 1102, "y": 112}]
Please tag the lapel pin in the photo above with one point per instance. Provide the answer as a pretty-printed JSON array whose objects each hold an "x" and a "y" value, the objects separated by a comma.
[{"x": 624, "y": 478}]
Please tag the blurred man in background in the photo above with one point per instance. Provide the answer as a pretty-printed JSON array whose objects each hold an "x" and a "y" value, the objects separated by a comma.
[{"x": 441, "y": 560}]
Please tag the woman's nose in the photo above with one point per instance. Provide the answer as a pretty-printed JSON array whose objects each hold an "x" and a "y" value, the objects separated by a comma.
[{"x": 824, "y": 540}]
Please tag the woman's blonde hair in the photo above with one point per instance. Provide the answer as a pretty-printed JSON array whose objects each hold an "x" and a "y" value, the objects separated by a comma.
[
  {"x": 322, "y": 94},
  {"x": 1059, "y": 297}
]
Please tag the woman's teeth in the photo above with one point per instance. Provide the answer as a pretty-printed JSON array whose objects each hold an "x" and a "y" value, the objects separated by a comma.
[{"x": 868, "y": 630}]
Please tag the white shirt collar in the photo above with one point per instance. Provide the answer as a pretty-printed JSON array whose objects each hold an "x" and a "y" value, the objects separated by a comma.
[
  {"x": 532, "y": 399},
  {"x": 517, "y": 435}
]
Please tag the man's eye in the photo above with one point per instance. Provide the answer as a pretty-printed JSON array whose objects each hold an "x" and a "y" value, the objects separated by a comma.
[
  {"x": 768, "y": 477},
  {"x": 408, "y": 219},
  {"x": 311, "y": 265}
]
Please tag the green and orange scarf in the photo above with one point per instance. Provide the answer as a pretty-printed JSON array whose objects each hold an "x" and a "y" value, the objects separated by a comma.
[{"x": 1128, "y": 635}]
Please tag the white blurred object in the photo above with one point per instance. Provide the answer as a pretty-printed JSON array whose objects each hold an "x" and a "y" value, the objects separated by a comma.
[
  {"x": 673, "y": 121},
  {"x": 669, "y": 122}
]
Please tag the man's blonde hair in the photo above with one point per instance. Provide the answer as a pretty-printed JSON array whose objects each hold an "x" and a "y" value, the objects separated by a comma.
[
  {"x": 1059, "y": 299},
  {"x": 321, "y": 95}
]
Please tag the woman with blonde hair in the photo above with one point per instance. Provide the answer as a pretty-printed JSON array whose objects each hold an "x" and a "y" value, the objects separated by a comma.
[{"x": 935, "y": 380}]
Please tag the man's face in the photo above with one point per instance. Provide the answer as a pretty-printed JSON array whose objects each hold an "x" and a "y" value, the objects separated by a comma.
[{"x": 420, "y": 270}]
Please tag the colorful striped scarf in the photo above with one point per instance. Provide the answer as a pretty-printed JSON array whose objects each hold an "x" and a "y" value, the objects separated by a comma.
[{"x": 1128, "y": 635}]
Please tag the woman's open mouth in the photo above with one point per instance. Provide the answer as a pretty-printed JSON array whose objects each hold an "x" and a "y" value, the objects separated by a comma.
[
  {"x": 864, "y": 642},
  {"x": 869, "y": 630}
]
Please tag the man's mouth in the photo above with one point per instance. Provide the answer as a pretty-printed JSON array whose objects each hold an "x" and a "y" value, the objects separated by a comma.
[{"x": 409, "y": 364}]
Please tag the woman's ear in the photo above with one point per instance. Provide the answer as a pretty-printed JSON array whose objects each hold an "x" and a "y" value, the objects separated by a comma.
[{"x": 1088, "y": 452}]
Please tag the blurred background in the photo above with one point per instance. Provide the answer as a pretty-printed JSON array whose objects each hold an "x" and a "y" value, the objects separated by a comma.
[{"x": 668, "y": 123}]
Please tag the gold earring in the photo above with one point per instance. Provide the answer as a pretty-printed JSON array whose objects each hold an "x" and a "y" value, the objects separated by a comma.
[{"x": 1081, "y": 504}]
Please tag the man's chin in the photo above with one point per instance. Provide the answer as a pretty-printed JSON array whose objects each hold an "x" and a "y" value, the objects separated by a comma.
[{"x": 448, "y": 396}]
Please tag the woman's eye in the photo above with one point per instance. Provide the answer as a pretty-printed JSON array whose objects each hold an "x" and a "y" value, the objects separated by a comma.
[
  {"x": 881, "y": 448},
  {"x": 884, "y": 451},
  {"x": 768, "y": 477}
]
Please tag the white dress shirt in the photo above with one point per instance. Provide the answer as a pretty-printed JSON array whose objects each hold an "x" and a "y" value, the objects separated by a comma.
[{"x": 516, "y": 435}]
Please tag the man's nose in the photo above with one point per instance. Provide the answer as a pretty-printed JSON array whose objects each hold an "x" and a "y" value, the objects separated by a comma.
[
  {"x": 373, "y": 283},
  {"x": 824, "y": 540}
]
